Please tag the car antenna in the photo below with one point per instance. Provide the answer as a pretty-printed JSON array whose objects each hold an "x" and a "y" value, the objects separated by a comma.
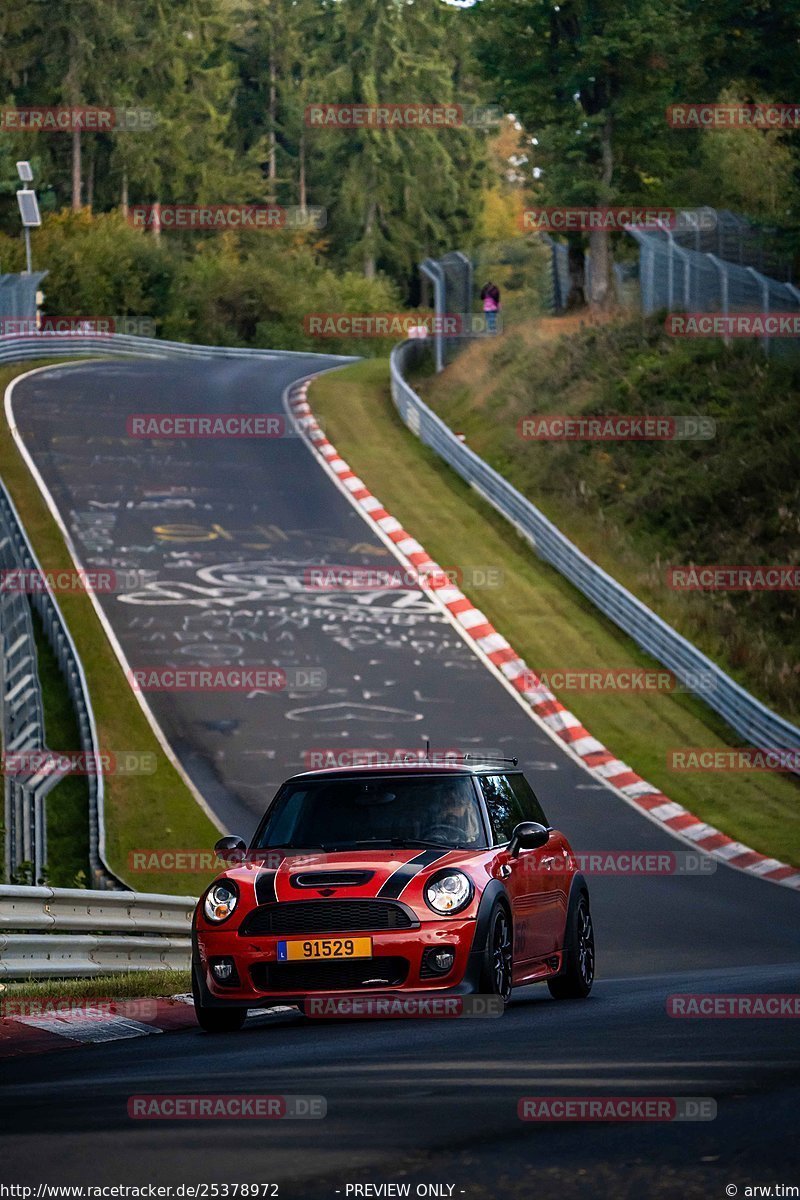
[{"x": 498, "y": 758}]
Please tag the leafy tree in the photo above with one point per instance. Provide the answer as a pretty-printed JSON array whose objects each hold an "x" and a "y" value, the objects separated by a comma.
[
  {"x": 98, "y": 266},
  {"x": 754, "y": 41},
  {"x": 751, "y": 171}
]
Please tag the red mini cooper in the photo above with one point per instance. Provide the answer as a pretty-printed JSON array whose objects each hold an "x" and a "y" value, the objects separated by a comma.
[{"x": 424, "y": 879}]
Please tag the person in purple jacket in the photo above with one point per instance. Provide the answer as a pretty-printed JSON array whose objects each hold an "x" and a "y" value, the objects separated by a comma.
[{"x": 490, "y": 295}]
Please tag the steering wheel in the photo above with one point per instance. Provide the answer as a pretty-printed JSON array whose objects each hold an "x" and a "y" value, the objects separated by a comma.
[{"x": 448, "y": 833}]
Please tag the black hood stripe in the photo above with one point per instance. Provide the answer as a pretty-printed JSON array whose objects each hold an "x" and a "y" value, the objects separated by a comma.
[
  {"x": 265, "y": 887},
  {"x": 399, "y": 880}
]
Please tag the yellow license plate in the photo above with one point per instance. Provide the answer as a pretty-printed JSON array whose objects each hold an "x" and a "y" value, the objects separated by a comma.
[{"x": 308, "y": 948}]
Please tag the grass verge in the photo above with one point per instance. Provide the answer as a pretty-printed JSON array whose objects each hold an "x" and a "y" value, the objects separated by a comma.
[
  {"x": 638, "y": 508},
  {"x": 547, "y": 620},
  {"x": 142, "y": 811},
  {"x": 131, "y": 984},
  {"x": 68, "y": 803}
]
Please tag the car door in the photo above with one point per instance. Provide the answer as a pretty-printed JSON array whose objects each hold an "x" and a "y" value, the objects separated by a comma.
[
  {"x": 532, "y": 878},
  {"x": 554, "y": 860}
]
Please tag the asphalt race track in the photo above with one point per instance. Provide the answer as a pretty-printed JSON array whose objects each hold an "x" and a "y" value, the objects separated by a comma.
[{"x": 227, "y": 530}]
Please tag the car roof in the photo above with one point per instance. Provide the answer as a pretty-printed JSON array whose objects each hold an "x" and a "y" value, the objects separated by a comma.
[{"x": 409, "y": 770}]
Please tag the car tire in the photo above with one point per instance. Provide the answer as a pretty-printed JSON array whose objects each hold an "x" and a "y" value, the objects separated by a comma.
[
  {"x": 498, "y": 956},
  {"x": 577, "y": 976},
  {"x": 210, "y": 1018}
]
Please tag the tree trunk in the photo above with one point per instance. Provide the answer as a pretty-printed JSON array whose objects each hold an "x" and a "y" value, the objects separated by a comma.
[
  {"x": 123, "y": 199},
  {"x": 90, "y": 184},
  {"x": 576, "y": 266},
  {"x": 157, "y": 219},
  {"x": 272, "y": 169},
  {"x": 302, "y": 181},
  {"x": 601, "y": 266},
  {"x": 369, "y": 255},
  {"x": 76, "y": 169},
  {"x": 601, "y": 292}
]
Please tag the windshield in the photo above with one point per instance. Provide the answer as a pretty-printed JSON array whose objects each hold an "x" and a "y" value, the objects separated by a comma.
[{"x": 346, "y": 814}]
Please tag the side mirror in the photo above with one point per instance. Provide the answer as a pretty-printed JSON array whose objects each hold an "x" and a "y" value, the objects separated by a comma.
[
  {"x": 528, "y": 835},
  {"x": 230, "y": 849}
]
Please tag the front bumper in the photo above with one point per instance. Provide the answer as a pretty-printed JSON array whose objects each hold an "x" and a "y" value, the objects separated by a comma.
[{"x": 397, "y": 957}]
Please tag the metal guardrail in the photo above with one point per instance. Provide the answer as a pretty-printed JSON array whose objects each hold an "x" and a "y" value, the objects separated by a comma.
[
  {"x": 748, "y": 716},
  {"x": 74, "y": 345},
  {"x": 91, "y": 932},
  {"x": 44, "y": 957},
  {"x": 21, "y": 710}
]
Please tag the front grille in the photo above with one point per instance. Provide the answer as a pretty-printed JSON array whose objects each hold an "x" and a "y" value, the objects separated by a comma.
[
  {"x": 329, "y": 976},
  {"x": 327, "y": 916}
]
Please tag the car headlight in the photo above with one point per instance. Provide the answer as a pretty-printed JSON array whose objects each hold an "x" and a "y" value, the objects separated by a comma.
[
  {"x": 449, "y": 892},
  {"x": 221, "y": 899}
]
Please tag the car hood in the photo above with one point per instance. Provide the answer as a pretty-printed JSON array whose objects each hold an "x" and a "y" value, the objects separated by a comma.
[{"x": 345, "y": 873}]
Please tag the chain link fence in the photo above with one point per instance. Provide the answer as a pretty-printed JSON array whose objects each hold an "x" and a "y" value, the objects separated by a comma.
[
  {"x": 679, "y": 279},
  {"x": 716, "y": 263},
  {"x": 736, "y": 240},
  {"x": 519, "y": 268}
]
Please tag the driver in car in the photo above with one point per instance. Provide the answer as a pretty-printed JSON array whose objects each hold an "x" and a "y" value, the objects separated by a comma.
[{"x": 455, "y": 820}]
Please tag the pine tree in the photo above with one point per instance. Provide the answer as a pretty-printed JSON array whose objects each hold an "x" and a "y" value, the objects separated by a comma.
[
  {"x": 394, "y": 195},
  {"x": 592, "y": 79}
]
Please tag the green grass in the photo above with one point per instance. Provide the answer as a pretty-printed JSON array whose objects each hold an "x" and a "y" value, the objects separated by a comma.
[
  {"x": 142, "y": 812},
  {"x": 546, "y": 620},
  {"x": 129, "y": 984},
  {"x": 638, "y": 507},
  {"x": 68, "y": 803}
]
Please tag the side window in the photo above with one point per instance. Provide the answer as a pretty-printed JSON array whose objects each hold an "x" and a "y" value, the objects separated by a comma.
[
  {"x": 510, "y": 799},
  {"x": 504, "y": 811},
  {"x": 526, "y": 798}
]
